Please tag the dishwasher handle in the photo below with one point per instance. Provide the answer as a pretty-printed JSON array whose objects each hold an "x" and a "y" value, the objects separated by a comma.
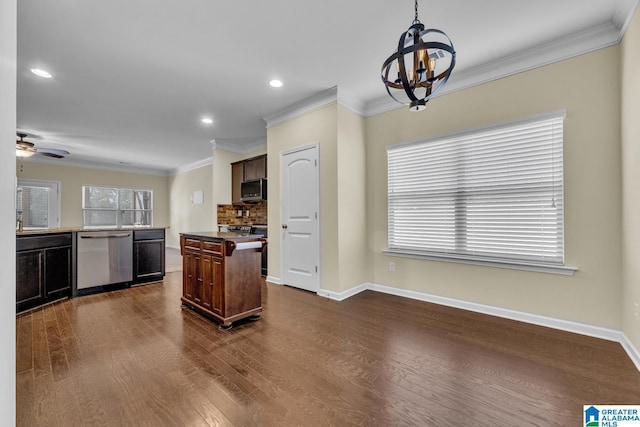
[{"x": 104, "y": 236}]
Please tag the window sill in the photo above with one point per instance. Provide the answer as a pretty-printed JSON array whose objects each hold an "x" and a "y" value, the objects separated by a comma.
[{"x": 538, "y": 268}]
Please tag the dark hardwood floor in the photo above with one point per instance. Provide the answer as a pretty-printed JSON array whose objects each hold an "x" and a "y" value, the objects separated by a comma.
[{"x": 134, "y": 357}]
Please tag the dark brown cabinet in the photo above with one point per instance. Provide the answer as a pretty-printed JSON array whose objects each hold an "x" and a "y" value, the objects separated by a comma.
[
  {"x": 220, "y": 281},
  {"x": 255, "y": 168},
  {"x": 43, "y": 269},
  {"x": 237, "y": 175},
  {"x": 246, "y": 170},
  {"x": 148, "y": 255}
]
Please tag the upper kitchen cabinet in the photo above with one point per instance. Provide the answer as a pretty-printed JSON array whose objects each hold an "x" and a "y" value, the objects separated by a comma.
[
  {"x": 255, "y": 168},
  {"x": 246, "y": 170},
  {"x": 237, "y": 175}
]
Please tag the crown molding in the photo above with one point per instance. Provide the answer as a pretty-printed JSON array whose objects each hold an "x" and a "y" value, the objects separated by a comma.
[
  {"x": 305, "y": 106},
  {"x": 192, "y": 166},
  {"x": 576, "y": 44},
  {"x": 90, "y": 164},
  {"x": 623, "y": 15},
  {"x": 246, "y": 148},
  {"x": 351, "y": 102}
]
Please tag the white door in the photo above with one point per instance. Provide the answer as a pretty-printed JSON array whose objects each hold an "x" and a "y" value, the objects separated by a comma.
[{"x": 300, "y": 200}]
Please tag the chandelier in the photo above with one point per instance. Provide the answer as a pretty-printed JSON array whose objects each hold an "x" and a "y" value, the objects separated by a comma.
[{"x": 420, "y": 67}]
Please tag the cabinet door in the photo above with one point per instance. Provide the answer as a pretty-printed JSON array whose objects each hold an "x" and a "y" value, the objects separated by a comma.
[
  {"x": 255, "y": 168},
  {"x": 191, "y": 270},
  {"x": 217, "y": 269},
  {"x": 261, "y": 167},
  {"x": 207, "y": 282},
  {"x": 29, "y": 279},
  {"x": 237, "y": 175},
  {"x": 148, "y": 260},
  {"x": 57, "y": 276}
]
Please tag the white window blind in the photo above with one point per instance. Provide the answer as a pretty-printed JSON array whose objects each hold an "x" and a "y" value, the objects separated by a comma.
[
  {"x": 37, "y": 204},
  {"x": 493, "y": 194}
]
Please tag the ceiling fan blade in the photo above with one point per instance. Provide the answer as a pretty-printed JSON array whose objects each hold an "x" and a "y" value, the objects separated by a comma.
[
  {"x": 45, "y": 151},
  {"x": 54, "y": 155}
]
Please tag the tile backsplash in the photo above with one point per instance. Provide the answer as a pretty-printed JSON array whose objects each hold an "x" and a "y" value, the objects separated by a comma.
[{"x": 237, "y": 214}]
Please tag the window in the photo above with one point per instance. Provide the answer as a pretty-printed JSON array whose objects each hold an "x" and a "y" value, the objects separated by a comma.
[
  {"x": 37, "y": 204},
  {"x": 116, "y": 207},
  {"x": 487, "y": 196}
]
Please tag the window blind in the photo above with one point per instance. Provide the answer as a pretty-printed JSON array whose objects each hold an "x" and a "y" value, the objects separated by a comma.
[
  {"x": 490, "y": 194},
  {"x": 32, "y": 206}
]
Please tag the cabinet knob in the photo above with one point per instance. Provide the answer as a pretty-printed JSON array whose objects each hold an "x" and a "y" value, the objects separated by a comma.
[{"x": 285, "y": 226}]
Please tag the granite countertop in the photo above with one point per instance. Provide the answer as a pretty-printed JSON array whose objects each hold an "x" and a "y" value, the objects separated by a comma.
[{"x": 78, "y": 229}]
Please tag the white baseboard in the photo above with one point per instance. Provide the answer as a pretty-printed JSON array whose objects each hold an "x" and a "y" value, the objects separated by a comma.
[
  {"x": 535, "y": 319},
  {"x": 172, "y": 247},
  {"x": 340, "y": 296},
  {"x": 274, "y": 280},
  {"x": 633, "y": 352}
]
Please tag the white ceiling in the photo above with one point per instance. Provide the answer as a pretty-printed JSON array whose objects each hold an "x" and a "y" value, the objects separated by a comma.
[{"x": 131, "y": 79}]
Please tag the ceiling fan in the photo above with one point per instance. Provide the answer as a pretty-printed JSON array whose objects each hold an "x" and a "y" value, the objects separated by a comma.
[{"x": 27, "y": 149}]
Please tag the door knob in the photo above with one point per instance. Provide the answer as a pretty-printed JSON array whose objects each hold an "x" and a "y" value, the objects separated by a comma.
[{"x": 285, "y": 226}]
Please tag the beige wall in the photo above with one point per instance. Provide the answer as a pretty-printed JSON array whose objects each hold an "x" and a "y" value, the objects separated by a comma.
[
  {"x": 353, "y": 253},
  {"x": 340, "y": 135},
  {"x": 185, "y": 216},
  {"x": 631, "y": 180},
  {"x": 215, "y": 180},
  {"x": 72, "y": 179},
  {"x": 318, "y": 127},
  {"x": 222, "y": 160},
  {"x": 8, "y": 30},
  {"x": 592, "y": 190}
]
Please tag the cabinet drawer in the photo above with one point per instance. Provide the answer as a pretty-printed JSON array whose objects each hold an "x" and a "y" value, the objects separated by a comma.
[
  {"x": 192, "y": 244},
  {"x": 148, "y": 234},
  {"x": 42, "y": 242},
  {"x": 212, "y": 247}
]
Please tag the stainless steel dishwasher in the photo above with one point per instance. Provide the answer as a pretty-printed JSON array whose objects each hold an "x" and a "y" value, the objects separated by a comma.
[{"x": 104, "y": 258}]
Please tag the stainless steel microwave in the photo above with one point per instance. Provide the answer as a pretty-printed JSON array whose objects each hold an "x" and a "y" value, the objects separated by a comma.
[{"x": 253, "y": 191}]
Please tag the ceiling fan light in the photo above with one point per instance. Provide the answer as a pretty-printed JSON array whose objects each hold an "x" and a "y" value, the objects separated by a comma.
[{"x": 24, "y": 153}]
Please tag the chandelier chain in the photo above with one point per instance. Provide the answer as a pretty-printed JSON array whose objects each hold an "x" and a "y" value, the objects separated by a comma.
[{"x": 416, "y": 20}]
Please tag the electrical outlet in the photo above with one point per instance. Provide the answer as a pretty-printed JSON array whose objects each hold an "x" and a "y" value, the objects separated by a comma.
[{"x": 392, "y": 266}]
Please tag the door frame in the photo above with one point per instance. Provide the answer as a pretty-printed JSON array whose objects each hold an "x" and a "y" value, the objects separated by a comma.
[{"x": 283, "y": 153}]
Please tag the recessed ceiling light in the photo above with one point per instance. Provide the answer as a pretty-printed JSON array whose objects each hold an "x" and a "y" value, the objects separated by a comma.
[
  {"x": 41, "y": 73},
  {"x": 275, "y": 83},
  {"x": 206, "y": 120}
]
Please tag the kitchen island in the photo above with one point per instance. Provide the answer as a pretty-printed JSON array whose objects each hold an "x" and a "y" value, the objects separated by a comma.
[{"x": 221, "y": 275}]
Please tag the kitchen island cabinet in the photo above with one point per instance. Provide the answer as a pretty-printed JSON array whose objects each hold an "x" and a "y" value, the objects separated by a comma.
[{"x": 221, "y": 275}]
